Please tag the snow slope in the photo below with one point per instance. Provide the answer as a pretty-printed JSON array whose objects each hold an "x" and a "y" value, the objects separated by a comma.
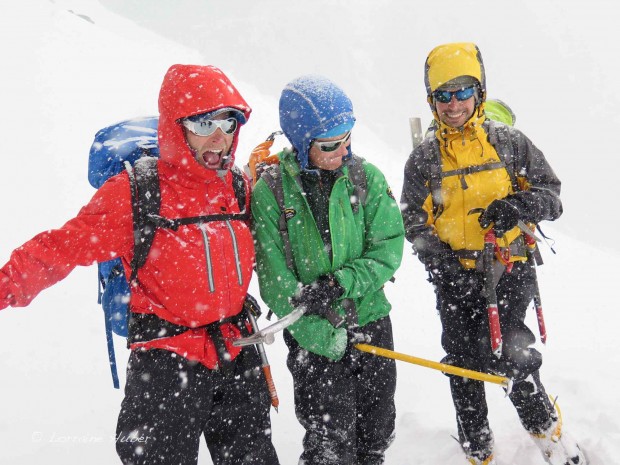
[{"x": 65, "y": 74}]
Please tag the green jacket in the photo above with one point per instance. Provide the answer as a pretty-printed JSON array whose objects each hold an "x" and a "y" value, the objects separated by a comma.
[{"x": 367, "y": 249}]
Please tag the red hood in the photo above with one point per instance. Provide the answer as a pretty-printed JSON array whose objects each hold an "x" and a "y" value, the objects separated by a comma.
[{"x": 190, "y": 90}]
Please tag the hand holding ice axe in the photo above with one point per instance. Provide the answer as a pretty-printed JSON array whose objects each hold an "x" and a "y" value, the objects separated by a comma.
[
  {"x": 315, "y": 298},
  {"x": 488, "y": 262}
]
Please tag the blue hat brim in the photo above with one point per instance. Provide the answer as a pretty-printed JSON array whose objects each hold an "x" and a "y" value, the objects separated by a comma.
[{"x": 338, "y": 130}]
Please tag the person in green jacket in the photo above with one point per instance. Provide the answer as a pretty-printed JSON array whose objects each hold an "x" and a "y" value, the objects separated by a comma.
[{"x": 346, "y": 244}]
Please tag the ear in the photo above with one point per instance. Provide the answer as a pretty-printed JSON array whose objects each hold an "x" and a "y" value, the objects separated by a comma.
[{"x": 431, "y": 102}]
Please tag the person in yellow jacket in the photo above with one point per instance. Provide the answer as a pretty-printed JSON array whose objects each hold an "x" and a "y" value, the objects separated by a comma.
[{"x": 472, "y": 174}]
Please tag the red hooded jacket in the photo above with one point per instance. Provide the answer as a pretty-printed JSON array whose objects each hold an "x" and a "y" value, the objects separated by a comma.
[{"x": 196, "y": 275}]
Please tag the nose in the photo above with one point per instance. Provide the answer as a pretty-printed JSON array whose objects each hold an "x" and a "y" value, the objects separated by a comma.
[
  {"x": 217, "y": 135},
  {"x": 343, "y": 149}
]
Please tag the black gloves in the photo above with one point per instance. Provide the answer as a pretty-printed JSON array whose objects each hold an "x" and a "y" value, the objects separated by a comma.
[
  {"x": 317, "y": 297},
  {"x": 503, "y": 214}
]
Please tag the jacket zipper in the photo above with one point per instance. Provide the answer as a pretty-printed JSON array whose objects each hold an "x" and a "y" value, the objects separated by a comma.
[
  {"x": 205, "y": 239},
  {"x": 236, "y": 250}
]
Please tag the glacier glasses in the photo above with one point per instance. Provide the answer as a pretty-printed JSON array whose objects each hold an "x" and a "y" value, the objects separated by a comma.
[
  {"x": 332, "y": 145},
  {"x": 444, "y": 96},
  {"x": 206, "y": 127}
]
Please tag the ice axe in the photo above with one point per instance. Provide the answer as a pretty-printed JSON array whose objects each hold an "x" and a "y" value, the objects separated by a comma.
[
  {"x": 443, "y": 367},
  {"x": 535, "y": 259},
  {"x": 252, "y": 309},
  {"x": 539, "y": 311},
  {"x": 488, "y": 257},
  {"x": 490, "y": 243},
  {"x": 267, "y": 334},
  {"x": 488, "y": 262}
]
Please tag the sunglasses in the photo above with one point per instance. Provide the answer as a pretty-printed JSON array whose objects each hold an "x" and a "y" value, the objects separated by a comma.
[
  {"x": 445, "y": 96},
  {"x": 332, "y": 145},
  {"x": 209, "y": 126}
]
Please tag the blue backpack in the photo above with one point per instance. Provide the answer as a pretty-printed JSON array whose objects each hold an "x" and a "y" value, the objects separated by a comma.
[{"x": 113, "y": 147}]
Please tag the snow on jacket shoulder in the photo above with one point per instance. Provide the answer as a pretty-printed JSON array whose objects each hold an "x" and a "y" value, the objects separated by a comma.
[{"x": 367, "y": 249}]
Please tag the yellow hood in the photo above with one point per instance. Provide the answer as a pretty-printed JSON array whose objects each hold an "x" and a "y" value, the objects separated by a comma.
[{"x": 449, "y": 61}]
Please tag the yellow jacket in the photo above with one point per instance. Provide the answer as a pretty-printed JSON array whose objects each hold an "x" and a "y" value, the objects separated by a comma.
[{"x": 472, "y": 176}]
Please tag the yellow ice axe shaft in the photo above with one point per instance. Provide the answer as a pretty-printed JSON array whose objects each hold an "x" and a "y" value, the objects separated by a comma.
[{"x": 450, "y": 369}]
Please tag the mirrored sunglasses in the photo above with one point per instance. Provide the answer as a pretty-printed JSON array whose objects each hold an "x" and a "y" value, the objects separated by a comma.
[
  {"x": 444, "y": 96},
  {"x": 209, "y": 126},
  {"x": 332, "y": 145}
]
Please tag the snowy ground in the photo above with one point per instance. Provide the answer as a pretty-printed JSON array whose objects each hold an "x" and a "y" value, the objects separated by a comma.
[{"x": 65, "y": 74}]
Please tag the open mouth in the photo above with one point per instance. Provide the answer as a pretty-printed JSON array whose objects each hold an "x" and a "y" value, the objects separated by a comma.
[{"x": 212, "y": 158}]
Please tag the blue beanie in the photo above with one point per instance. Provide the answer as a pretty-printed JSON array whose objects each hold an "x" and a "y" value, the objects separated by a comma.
[{"x": 310, "y": 107}]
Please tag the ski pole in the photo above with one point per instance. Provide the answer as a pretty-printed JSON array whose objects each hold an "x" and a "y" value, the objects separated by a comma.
[
  {"x": 443, "y": 367},
  {"x": 488, "y": 256},
  {"x": 265, "y": 365}
]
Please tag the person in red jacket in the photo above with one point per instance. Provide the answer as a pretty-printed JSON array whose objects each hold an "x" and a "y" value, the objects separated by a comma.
[{"x": 184, "y": 377}]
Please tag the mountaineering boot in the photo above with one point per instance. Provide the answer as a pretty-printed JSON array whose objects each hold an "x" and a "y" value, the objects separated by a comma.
[
  {"x": 479, "y": 447},
  {"x": 557, "y": 447},
  {"x": 488, "y": 461},
  {"x": 481, "y": 455}
]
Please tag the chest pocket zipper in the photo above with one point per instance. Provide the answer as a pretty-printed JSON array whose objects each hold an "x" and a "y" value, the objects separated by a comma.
[
  {"x": 205, "y": 239},
  {"x": 236, "y": 250}
]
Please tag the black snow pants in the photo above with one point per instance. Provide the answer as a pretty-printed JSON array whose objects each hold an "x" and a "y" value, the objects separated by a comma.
[
  {"x": 465, "y": 339},
  {"x": 346, "y": 407},
  {"x": 170, "y": 402}
]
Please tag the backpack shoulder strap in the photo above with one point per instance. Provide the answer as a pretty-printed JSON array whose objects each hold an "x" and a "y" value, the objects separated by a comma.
[
  {"x": 154, "y": 220},
  {"x": 272, "y": 175},
  {"x": 145, "y": 201},
  {"x": 501, "y": 139},
  {"x": 431, "y": 156},
  {"x": 357, "y": 175},
  {"x": 239, "y": 185}
]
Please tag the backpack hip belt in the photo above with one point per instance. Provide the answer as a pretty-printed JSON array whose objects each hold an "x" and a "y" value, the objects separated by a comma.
[{"x": 145, "y": 327}]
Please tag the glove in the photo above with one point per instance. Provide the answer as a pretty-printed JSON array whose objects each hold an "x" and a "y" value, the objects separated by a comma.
[
  {"x": 503, "y": 214},
  {"x": 317, "y": 297}
]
